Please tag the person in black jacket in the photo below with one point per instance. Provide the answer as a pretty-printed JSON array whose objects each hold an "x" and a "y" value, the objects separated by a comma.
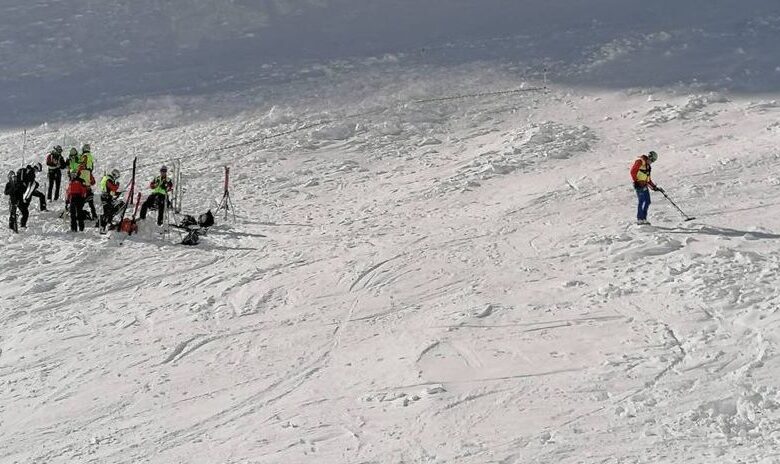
[
  {"x": 15, "y": 189},
  {"x": 56, "y": 163},
  {"x": 28, "y": 177}
]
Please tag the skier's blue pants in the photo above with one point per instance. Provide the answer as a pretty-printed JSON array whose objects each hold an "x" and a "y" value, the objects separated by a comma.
[{"x": 643, "y": 204}]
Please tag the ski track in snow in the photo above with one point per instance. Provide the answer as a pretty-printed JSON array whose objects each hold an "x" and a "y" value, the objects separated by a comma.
[{"x": 455, "y": 281}]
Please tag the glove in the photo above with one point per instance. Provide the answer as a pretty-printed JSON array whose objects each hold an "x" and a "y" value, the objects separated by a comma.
[{"x": 659, "y": 189}]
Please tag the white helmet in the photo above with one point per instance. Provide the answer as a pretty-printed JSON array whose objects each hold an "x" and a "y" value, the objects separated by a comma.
[{"x": 114, "y": 174}]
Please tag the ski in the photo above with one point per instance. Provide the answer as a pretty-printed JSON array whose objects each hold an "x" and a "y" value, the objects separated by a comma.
[
  {"x": 130, "y": 191},
  {"x": 124, "y": 225},
  {"x": 176, "y": 199},
  {"x": 133, "y": 227}
]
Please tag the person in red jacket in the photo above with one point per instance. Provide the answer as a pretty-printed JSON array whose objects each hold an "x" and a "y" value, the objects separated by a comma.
[
  {"x": 79, "y": 187},
  {"x": 643, "y": 183}
]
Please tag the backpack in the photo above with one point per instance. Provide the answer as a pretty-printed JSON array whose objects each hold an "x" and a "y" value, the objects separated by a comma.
[
  {"x": 187, "y": 222},
  {"x": 206, "y": 220},
  {"x": 128, "y": 226}
]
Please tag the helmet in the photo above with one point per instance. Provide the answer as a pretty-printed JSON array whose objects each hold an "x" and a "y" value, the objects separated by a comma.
[
  {"x": 58, "y": 149},
  {"x": 164, "y": 168},
  {"x": 38, "y": 167},
  {"x": 73, "y": 152},
  {"x": 86, "y": 148},
  {"x": 114, "y": 174},
  {"x": 652, "y": 156},
  {"x": 11, "y": 176}
]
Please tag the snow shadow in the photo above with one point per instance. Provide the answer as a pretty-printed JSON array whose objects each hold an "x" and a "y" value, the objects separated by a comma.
[
  {"x": 738, "y": 210},
  {"x": 721, "y": 231},
  {"x": 73, "y": 59}
]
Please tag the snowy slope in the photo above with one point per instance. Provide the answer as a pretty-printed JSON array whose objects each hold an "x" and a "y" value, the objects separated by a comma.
[{"x": 455, "y": 281}]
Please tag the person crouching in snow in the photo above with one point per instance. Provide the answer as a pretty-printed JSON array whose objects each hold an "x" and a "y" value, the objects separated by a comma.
[
  {"x": 160, "y": 186},
  {"x": 643, "y": 183},
  {"x": 28, "y": 176},
  {"x": 109, "y": 198}
]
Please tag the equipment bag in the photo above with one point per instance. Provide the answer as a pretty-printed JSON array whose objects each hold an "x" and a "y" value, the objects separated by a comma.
[{"x": 191, "y": 239}]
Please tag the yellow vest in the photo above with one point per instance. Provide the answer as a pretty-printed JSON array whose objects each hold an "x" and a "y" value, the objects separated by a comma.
[
  {"x": 86, "y": 176},
  {"x": 644, "y": 171}
]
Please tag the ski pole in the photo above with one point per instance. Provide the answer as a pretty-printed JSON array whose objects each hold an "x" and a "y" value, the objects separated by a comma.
[
  {"x": 24, "y": 146},
  {"x": 687, "y": 218}
]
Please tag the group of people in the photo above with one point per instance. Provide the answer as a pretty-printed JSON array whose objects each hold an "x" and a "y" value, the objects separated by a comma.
[{"x": 22, "y": 187}]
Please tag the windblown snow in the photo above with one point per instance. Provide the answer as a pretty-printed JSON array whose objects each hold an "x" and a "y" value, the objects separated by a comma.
[{"x": 434, "y": 256}]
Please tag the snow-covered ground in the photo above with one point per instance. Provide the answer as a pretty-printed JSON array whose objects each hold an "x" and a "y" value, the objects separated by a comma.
[{"x": 448, "y": 281}]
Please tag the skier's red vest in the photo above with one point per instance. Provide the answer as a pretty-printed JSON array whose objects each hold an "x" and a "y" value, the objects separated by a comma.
[{"x": 82, "y": 181}]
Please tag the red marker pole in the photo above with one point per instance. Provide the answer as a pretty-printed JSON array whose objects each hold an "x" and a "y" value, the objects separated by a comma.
[{"x": 226, "y": 203}]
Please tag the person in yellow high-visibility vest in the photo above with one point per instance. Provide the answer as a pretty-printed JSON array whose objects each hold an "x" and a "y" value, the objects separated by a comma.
[
  {"x": 109, "y": 199},
  {"x": 86, "y": 151},
  {"x": 643, "y": 183},
  {"x": 161, "y": 186}
]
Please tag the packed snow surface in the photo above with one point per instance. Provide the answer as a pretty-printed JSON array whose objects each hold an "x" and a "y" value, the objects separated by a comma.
[{"x": 432, "y": 259}]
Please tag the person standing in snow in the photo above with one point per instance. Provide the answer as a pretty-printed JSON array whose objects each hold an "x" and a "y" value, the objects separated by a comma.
[
  {"x": 89, "y": 163},
  {"x": 160, "y": 186},
  {"x": 72, "y": 164},
  {"x": 109, "y": 198},
  {"x": 74, "y": 160},
  {"x": 56, "y": 163},
  {"x": 15, "y": 189},
  {"x": 643, "y": 183},
  {"x": 77, "y": 194},
  {"x": 86, "y": 151}
]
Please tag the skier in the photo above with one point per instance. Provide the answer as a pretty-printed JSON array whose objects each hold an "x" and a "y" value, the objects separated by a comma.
[
  {"x": 27, "y": 175},
  {"x": 643, "y": 183},
  {"x": 109, "y": 198},
  {"x": 56, "y": 163},
  {"x": 15, "y": 189},
  {"x": 160, "y": 186},
  {"x": 77, "y": 194}
]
